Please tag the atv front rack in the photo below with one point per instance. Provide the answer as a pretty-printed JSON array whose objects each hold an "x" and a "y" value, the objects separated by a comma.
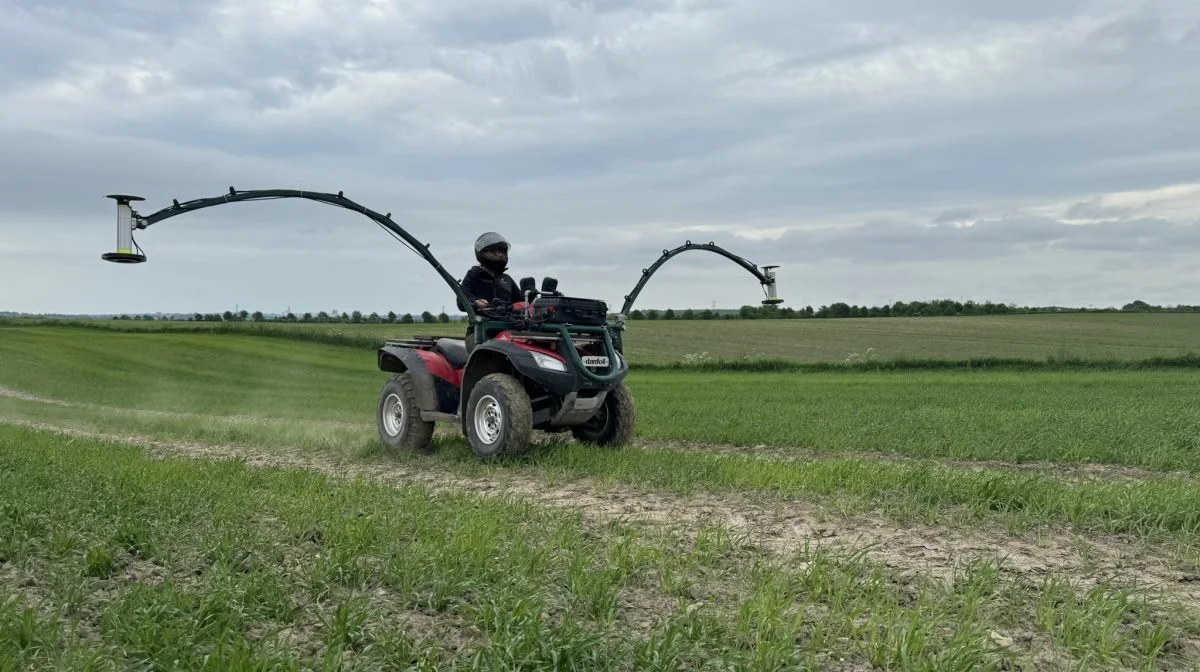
[
  {"x": 555, "y": 336},
  {"x": 488, "y": 329}
]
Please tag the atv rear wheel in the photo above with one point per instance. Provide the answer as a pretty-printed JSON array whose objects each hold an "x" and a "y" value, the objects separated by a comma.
[
  {"x": 613, "y": 424},
  {"x": 399, "y": 420},
  {"x": 498, "y": 416}
]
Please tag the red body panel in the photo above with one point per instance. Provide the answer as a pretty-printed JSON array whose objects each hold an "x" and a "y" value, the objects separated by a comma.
[
  {"x": 507, "y": 336},
  {"x": 441, "y": 368}
]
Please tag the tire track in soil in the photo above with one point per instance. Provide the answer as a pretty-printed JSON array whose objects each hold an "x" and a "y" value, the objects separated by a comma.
[
  {"x": 779, "y": 526},
  {"x": 236, "y": 419}
]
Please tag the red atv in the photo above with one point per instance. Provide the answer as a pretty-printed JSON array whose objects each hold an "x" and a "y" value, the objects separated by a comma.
[{"x": 550, "y": 363}]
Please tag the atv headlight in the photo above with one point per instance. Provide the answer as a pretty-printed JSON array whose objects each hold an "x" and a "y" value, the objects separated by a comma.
[{"x": 548, "y": 362}]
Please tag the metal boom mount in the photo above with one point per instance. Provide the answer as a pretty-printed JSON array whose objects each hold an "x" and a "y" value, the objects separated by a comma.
[
  {"x": 129, "y": 219},
  {"x": 765, "y": 275}
]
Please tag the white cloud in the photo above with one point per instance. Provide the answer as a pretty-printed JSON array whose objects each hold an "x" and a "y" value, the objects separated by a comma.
[{"x": 926, "y": 143}]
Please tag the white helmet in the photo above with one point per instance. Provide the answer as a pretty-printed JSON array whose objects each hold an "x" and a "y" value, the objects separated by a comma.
[
  {"x": 489, "y": 239},
  {"x": 492, "y": 240}
]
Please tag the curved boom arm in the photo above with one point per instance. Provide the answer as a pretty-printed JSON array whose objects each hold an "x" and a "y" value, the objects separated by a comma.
[
  {"x": 766, "y": 276},
  {"x": 234, "y": 196}
]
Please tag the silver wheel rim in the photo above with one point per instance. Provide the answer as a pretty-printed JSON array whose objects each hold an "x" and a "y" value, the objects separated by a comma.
[
  {"x": 393, "y": 414},
  {"x": 489, "y": 419}
]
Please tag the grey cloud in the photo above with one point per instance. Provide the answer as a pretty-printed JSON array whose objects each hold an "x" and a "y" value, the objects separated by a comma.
[
  {"x": 151, "y": 16},
  {"x": 891, "y": 241},
  {"x": 954, "y": 215},
  {"x": 993, "y": 239},
  {"x": 835, "y": 53},
  {"x": 550, "y": 67},
  {"x": 945, "y": 11},
  {"x": 470, "y": 24},
  {"x": 569, "y": 121},
  {"x": 1141, "y": 40},
  {"x": 1093, "y": 209},
  {"x": 617, "y": 6}
]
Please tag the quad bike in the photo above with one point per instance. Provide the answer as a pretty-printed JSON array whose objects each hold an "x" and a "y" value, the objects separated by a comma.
[{"x": 548, "y": 362}]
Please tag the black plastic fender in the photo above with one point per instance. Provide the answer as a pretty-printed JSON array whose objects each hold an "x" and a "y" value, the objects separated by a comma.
[
  {"x": 487, "y": 357},
  {"x": 398, "y": 359}
]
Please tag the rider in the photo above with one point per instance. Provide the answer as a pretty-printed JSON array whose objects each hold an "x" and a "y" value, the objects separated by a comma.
[{"x": 486, "y": 283}]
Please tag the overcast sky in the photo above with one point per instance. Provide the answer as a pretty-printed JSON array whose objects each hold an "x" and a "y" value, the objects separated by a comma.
[{"x": 877, "y": 150}]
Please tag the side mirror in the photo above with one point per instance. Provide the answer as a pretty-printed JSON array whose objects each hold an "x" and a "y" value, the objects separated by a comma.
[
  {"x": 528, "y": 284},
  {"x": 549, "y": 285}
]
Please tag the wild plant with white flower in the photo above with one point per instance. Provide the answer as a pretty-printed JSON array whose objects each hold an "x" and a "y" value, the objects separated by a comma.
[
  {"x": 694, "y": 359},
  {"x": 857, "y": 357}
]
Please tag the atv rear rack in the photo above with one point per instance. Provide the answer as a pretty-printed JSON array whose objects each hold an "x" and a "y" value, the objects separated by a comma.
[{"x": 418, "y": 342}]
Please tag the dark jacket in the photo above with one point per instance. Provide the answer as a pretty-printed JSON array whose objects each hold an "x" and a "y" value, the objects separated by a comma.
[{"x": 479, "y": 283}]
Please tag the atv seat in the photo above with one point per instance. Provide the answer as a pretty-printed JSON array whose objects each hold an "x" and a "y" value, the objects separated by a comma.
[{"x": 454, "y": 350}]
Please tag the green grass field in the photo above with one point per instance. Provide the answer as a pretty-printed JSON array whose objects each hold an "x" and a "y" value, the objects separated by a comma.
[
  {"x": 185, "y": 565},
  {"x": 915, "y": 519},
  {"x": 1105, "y": 336}
]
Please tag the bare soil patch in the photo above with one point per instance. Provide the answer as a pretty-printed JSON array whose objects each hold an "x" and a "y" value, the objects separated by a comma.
[{"x": 778, "y": 526}]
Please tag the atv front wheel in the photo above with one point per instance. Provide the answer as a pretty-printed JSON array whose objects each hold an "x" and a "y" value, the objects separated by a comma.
[
  {"x": 499, "y": 416},
  {"x": 399, "y": 420},
  {"x": 612, "y": 425}
]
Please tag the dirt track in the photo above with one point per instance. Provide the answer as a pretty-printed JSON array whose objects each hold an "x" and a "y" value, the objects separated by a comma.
[{"x": 778, "y": 527}]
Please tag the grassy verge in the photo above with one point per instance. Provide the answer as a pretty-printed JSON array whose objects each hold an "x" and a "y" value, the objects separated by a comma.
[{"x": 108, "y": 558}]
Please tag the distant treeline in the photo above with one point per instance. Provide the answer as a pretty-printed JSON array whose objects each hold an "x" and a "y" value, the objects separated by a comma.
[
  {"x": 322, "y": 317},
  {"x": 940, "y": 307}
]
